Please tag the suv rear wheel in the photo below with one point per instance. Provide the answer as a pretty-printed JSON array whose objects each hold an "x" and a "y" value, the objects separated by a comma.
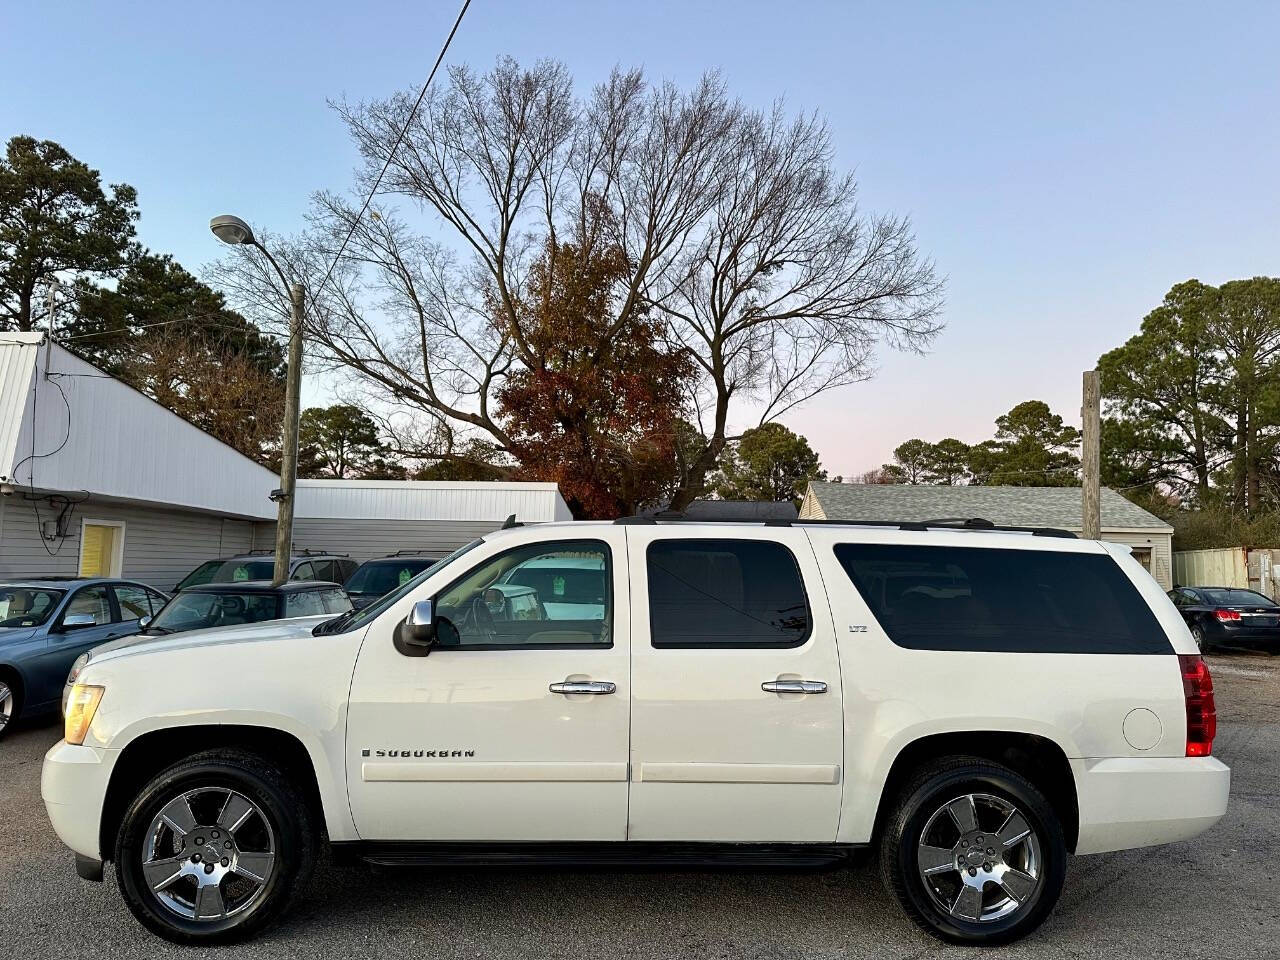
[
  {"x": 974, "y": 852},
  {"x": 214, "y": 848}
]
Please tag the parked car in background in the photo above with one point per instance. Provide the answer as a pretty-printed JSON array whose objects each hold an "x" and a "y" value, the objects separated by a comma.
[
  {"x": 260, "y": 565},
  {"x": 1230, "y": 615},
  {"x": 223, "y": 605},
  {"x": 376, "y": 578},
  {"x": 45, "y": 624}
]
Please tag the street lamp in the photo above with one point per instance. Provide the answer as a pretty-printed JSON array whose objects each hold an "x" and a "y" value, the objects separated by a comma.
[{"x": 233, "y": 230}]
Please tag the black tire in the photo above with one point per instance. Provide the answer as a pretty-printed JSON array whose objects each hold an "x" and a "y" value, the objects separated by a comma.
[
  {"x": 1202, "y": 642},
  {"x": 281, "y": 805},
  {"x": 928, "y": 791},
  {"x": 15, "y": 703}
]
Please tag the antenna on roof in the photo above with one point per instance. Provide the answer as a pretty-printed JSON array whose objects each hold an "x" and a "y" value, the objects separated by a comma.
[{"x": 510, "y": 522}]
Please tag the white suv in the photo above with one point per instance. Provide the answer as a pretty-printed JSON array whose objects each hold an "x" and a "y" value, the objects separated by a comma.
[{"x": 975, "y": 704}]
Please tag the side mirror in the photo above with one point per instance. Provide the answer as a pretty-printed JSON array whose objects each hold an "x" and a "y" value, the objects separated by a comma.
[
  {"x": 75, "y": 621},
  {"x": 144, "y": 622},
  {"x": 416, "y": 634}
]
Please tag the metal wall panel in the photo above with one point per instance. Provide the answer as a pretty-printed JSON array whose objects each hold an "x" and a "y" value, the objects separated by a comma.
[
  {"x": 18, "y": 354},
  {"x": 429, "y": 500},
  {"x": 114, "y": 441}
]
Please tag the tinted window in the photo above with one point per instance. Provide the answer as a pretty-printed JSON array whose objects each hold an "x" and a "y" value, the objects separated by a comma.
[
  {"x": 193, "y": 611},
  {"x": 201, "y": 574},
  {"x": 1239, "y": 598},
  {"x": 335, "y": 601},
  {"x": 134, "y": 602},
  {"x": 380, "y": 576},
  {"x": 93, "y": 601},
  {"x": 300, "y": 604},
  {"x": 304, "y": 571},
  {"x": 725, "y": 593},
  {"x": 491, "y": 607},
  {"x": 972, "y": 598}
]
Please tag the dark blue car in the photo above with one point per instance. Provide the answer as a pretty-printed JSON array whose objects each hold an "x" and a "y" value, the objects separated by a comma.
[{"x": 46, "y": 624}]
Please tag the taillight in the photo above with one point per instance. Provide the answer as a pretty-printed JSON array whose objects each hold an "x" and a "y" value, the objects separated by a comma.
[
  {"x": 1202, "y": 715},
  {"x": 1226, "y": 615}
]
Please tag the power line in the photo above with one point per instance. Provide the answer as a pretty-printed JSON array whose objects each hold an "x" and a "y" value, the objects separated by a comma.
[{"x": 394, "y": 147}]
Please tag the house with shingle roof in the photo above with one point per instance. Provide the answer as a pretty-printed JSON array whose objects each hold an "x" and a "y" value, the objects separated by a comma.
[{"x": 1123, "y": 521}]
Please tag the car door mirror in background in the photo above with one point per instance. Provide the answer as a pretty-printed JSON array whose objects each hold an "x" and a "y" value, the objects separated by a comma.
[
  {"x": 144, "y": 622},
  {"x": 416, "y": 634},
  {"x": 74, "y": 621}
]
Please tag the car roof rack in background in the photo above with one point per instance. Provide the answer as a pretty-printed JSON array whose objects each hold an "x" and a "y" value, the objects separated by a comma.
[
  {"x": 945, "y": 523},
  {"x": 411, "y": 553},
  {"x": 308, "y": 552}
]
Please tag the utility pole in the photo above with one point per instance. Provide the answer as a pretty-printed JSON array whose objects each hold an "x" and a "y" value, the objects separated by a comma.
[
  {"x": 289, "y": 440},
  {"x": 1091, "y": 457},
  {"x": 48, "y": 323}
]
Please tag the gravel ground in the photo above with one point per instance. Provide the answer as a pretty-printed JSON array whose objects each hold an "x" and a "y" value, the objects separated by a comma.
[{"x": 1215, "y": 896}]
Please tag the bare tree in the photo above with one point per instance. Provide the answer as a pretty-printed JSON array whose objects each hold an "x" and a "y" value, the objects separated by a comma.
[{"x": 733, "y": 222}]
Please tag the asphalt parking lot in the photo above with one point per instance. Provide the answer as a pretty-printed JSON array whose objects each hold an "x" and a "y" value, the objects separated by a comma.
[{"x": 1216, "y": 896}]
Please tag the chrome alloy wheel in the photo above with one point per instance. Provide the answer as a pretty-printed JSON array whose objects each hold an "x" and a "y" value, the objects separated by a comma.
[
  {"x": 979, "y": 858},
  {"x": 6, "y": 705},
  {"x": 209, "y": 854}
]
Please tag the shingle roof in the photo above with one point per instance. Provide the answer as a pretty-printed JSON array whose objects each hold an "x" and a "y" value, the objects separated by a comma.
[
  {"x": 737, "y": 510},
  {"x": 1014, "y": 506}
]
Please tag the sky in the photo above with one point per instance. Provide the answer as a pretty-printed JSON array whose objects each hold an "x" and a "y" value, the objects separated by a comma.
[{"x": 1063, "y": 164}]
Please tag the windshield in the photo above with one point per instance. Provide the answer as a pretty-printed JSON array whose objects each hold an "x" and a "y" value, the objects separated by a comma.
[
  {"x": 383, "y": 576},
  {"x": 27, "y": 606},
  {"x": 1239, "y": 598},
  {"x": 228, "y": 571},
  {"x": 194, "y": 611},
  {"x": 354, "y": 621}
]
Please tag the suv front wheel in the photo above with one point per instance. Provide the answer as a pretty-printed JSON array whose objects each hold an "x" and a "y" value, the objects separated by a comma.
[
  {"x": 214, "y": 848},
  {"x": 974, "y": 852}
]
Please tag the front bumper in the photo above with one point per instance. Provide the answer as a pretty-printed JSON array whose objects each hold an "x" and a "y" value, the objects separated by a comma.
[
  {"x": 1140, "y": 801},
  {"x": 73, "y": 784}
]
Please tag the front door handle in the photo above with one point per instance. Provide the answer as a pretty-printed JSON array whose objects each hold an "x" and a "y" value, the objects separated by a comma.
[
  {"x": 584, "y": 686},
  {"x": 794, "y": 686}
]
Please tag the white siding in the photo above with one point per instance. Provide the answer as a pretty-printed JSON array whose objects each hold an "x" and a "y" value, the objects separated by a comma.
[
  {"x": 429, "y": 500},
  {"x": 1161, "y": 547},
  {"x": 113, "y": 441},
  {"x": 18, "y": 353},
  {"x": 160, "y": 546},
  {"x": 365, "y": 539}
]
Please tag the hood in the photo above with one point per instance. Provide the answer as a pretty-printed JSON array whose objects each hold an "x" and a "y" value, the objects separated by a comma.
[{"x": 211, "y": 637}]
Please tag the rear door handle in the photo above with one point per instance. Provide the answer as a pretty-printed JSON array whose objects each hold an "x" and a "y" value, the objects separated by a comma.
[
  {"x": 584, "y": 686},
  {"x": 794, "y": 686}
]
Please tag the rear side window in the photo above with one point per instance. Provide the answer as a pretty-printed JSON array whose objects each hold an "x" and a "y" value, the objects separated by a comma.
[
  {"x": 1009, "y": 601},
  {"x": 725, "y": 593}
]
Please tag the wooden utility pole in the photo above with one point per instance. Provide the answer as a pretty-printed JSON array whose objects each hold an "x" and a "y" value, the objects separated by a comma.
[{"x": 1091, "y": 457}]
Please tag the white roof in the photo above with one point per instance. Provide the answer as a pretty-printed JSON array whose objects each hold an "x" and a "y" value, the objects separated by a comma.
[
  {"x": 429, "y": 500},
  {"x": 112, "y": 441}
]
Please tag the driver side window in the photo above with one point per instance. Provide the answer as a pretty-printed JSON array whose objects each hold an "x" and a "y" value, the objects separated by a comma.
[{"x": 556, "y": 594}]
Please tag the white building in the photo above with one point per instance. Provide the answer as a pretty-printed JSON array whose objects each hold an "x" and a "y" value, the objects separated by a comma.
[{"x": 99, "y": 479}]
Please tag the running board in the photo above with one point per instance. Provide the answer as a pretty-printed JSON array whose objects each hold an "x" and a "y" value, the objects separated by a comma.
[{"x": 597, "y": 854}]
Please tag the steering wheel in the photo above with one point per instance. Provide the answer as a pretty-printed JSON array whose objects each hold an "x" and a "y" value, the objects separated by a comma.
[{"x": 478, "y": 618}]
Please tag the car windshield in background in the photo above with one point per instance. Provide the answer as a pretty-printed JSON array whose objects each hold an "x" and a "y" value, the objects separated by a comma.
[
  {"x": 353, "y": 620},
  {"x": 228, "y": 571},
  {"x": 26, "y": 606},
  {"x": 195, "y": 611},
  {"x": 381, "y": 577},
  {"x": 1238, "y": 598}
]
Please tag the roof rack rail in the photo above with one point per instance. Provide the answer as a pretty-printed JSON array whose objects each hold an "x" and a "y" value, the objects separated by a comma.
[
  {"x": 411, "y": 553},
  {"x": 977, "y": 524}
]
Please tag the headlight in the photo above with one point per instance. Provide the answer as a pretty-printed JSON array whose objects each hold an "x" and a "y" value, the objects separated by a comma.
[
  {"x": 81, "y": 662},
  {"x": 81, "y": 706}
]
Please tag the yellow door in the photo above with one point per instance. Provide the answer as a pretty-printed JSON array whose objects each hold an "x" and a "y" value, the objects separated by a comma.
[{"x": 98, "y": 550}]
